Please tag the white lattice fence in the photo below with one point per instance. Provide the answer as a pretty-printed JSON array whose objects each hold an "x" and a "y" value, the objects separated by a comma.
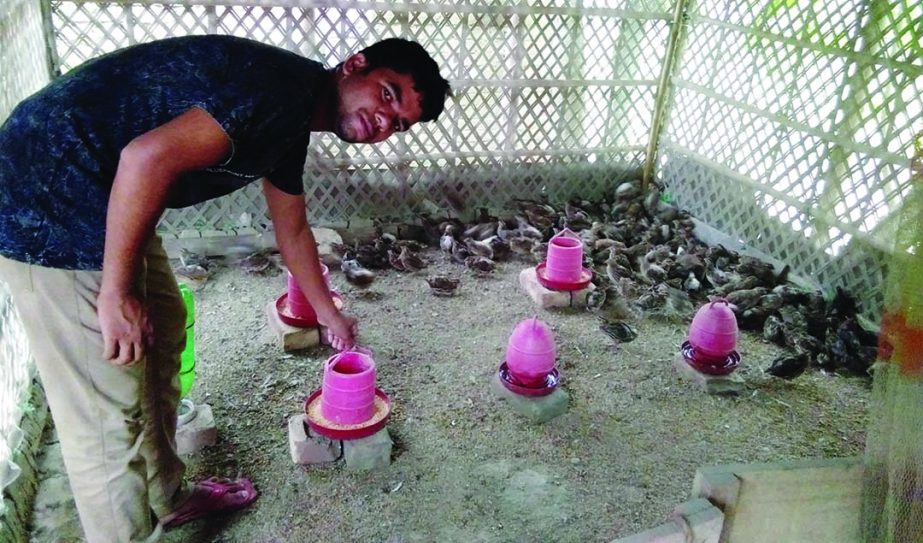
[
  {"x": 15, "y": 376},
  {"x": 550, "y": 98},
  {"x": 23, "y": 70},
  {"x": 791, "y": 127}
]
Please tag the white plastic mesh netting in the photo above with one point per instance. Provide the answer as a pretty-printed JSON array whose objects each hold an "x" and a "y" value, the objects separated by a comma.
[
  {"x": 22, "y": 62},
  {"x": 791, "y": 127},
  {"x": 549, "y": 98}
]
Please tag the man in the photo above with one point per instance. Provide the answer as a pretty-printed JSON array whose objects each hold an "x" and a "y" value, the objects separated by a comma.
[{"x": 87, "y": 167}]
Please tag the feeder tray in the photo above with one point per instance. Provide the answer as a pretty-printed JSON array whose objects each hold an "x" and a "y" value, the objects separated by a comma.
[
  {"x": 586, "y": 275},
  {"x": 332, "y": 430},
  {"x": 710, "y": 366},
  {"x": 552, "y": 380},
  {"x": 286, "y": 316}
]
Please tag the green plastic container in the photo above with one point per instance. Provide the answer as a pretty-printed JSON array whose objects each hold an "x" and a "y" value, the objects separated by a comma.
[{"x": 187, "y": 359}]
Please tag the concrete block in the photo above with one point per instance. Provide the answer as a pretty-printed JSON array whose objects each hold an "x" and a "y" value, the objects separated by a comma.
[
  {"x": 198, "y": 433},
  {"x": 368, "y": 453},
  {"x": 696, "y": 521},
  {"x": 538, "y": 409},
  {"x": 721, "y": 385},
  {"x": 548, "y": 299},
  {"x": 290, "y": 338},
  {"x": 307, "y": 448}
]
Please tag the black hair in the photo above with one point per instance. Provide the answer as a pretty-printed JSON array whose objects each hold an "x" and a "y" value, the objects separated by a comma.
[{"x": 409, "y": 57}]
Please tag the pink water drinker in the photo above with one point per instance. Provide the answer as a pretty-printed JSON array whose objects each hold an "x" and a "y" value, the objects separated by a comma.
[
  {"x": 348, "y": 388},
  {"x": 564, "y": 262},
  {"x": 530, "y": 353},
  {"x": 713, "y": 332}
]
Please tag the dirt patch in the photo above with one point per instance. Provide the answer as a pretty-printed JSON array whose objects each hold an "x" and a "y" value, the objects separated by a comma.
[{"x": 464, "y": 468}]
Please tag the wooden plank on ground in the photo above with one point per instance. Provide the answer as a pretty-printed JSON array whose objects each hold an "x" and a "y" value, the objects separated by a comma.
[{"x": 809, "y": 501}]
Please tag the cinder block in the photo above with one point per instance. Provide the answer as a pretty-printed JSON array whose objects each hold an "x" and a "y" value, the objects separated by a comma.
[
  {"x": 307, "y": 448},
  {"x": 368, "y": 453},
  {"x": 290, "y": 338},
  {"x": 538, "y": 409},
  {"x": 727, "y": 385},
  {"x": 548, "y": 299},
  {"x": 198, "y": 433}
]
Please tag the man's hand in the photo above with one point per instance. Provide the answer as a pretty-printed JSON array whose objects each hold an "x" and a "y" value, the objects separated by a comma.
[
  {"x": 125, "y": 328},
  {"x": 341, "y": 331}
]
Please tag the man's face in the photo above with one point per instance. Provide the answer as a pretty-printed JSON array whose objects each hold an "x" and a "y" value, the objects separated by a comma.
[{"x": 374, "y": 104}]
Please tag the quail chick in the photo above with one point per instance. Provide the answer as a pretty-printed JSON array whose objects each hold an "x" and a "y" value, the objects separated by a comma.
[
  {"x": 356, "y": 274},
  {"x": 410, "y": 261},
  {"x": 524, "y": 229},
  {"x": 479, "y": 248},
  {"x": 193, "y": 275},
  {"x": 256, "y": 263},
  {"x": 481, "y": 266},
  {"x": 521, "y": 246},
  {"x": 189, "y": 258},
  {"x": 442, "y": 285},
  {"x": 500, "y": 247},
  {"x": 789, "y": 367},
  {"x": 447, "y": 240},
  {"x": 540, "y": 251},
  {"x": 460, "y": 253},
  {"x": 619, "y": 331},
  {"x": 394, "y": 258}
]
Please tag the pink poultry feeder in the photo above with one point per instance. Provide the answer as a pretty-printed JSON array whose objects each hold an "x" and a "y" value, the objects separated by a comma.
[
  {"x": 295, "y": 309},
  {"x": 348, "y": 404},
  {"x": 563, "y": 266},
  {"x": 713, "y": 339},
  {"x": 529, "y": 368}
]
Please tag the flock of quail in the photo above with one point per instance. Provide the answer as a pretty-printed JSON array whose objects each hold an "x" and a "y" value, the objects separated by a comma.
[{"x": 646, "y": 261}]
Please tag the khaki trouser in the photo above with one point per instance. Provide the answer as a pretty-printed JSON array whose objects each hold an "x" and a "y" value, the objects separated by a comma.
[{"x": 116, "y": 424}]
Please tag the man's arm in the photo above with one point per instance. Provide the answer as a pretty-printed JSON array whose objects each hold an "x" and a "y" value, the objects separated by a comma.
[
  {"x": 299, "y": 250},
  {"x": 147, "y": 168}
]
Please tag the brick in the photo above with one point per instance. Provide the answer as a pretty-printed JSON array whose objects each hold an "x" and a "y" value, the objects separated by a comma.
[
  {"x": 548, "y": 299},
  {"x": 198, "y": 433},
  {"x": 538, "y": 409},
  {"x": 307, "y": 448},
  {"x": 290, "y": 338},
  {"x": 368, "y": 453},
  {"x": 726, "y": 385}
]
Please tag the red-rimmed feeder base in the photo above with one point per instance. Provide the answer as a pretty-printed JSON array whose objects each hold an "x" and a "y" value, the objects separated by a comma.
[
  {"x": 710, "y": 366},
  {"x": 327, "y": 428},
  {"x": 552, "y": 380},
  {"x": 586, "y": 276},
  {"x": 289, "y": 318}
]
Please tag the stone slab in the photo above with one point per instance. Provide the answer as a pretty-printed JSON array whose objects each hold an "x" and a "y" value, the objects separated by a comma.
[
  {"x": 549, "y": 299},
  {"x": 290, "y": 338},
  {"x": 198, "y": 433},
  {"x": 538, "y": 409},
  {"x": 721, "y": 385},
  {"x": 307, "y": 448},
  {"x": 368, "y": 453}
]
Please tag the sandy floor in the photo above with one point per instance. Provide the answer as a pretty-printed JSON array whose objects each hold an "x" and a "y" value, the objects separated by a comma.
[{"x": 464, "y": 468}]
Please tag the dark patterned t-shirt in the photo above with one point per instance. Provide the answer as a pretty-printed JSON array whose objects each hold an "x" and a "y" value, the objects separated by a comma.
[{"x": 59, "y": 149}]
